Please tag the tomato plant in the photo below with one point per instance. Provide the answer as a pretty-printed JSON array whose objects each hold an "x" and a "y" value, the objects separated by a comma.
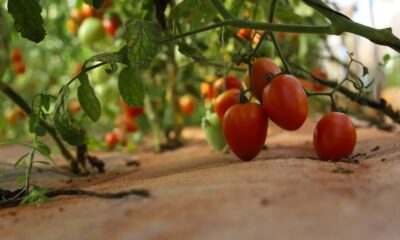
[
  {"x": 262, "y": 71},
  {"x": 131, "y": 111},
  {"x": 111, "y": 25},
  {"x": 286, "y": 102},
  {"x": 245, "y": 129},
  {"x": 16, "y": 55},
  {"x": 226, "y": 100},
  {"x": 111, "y": 139},
  {"x": 335, "y": 136}
]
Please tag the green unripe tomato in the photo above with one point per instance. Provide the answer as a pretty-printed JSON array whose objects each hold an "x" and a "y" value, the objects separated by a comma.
[
  {"x": 266, "y": 49},
  {"x": 91, "y": 31},
  {"x": 212, "y": 127},
  {"x": 99, "y": 74}
]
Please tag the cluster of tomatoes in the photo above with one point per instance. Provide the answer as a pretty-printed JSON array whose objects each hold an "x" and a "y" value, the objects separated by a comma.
[
  {"x": 279, "y": 97},
  {"x": 125, "y": 123},
  {"x": 17, "y": 62},
  {"x": 91, "y": 24}
]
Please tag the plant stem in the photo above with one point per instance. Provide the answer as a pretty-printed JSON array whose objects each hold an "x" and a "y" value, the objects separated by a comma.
[{"x": 29, "y": 170}]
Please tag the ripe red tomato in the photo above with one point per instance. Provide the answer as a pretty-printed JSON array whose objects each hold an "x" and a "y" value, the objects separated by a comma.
[
  {"x": 231, "y": 82},
  {"x": 111, "y": 139},
  {"x": 226, "y": 100},
  {"x": 19, "y": 68},
  {"x": 319, "y": 74},
  {"x": 186, "y": 103},
  {"x": 286, "y": 102},
  {"x": 245, "y": 129},
  {"x": 262, "y": 68},
  {"x": 131, "y": 111},
  {"x": 335, "y": 136},
  {"x": 245, "y": 33},
  {"x": 111, "y": 25},
  {"x": 75, "y": 106},
  {"x": 130, "y": 123},
  {"x": 16, "y": 55}
]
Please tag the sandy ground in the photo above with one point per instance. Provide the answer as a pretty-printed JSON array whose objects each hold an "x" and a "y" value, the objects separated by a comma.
[{"x": 200, "y": 194}]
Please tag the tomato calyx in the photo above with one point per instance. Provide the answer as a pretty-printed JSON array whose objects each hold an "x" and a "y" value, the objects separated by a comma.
[{"x": 242, "y": 96}]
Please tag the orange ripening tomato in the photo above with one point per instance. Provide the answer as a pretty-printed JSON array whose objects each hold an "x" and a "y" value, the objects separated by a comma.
[
  {"x": 245, "y": 129},
  {"x": 72, "y": 26},
  {"x": 11, "y": 117},
  {"x": 75, "y": 106},
  {"x": 306, "y": 84},
  {"x": 335, "y": 136},
  {"x": 207, "y": 90},
  {"x": 226, "y": 100},
  {"x": 111, "y": 139},
  {"x": 131, "y": 111},
  {"x": 322, "y": 75},
  {"x": 19, "y": 68},
  {"x": 16, "y": 55},
  {"x": 86, "y": 11},
  {"x": 187, "y": 104},
  {"x": 262, "y": 69},
  {"x": 286, "y": 102}
]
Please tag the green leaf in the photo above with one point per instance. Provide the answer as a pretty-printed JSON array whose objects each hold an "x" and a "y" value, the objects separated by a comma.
[
  {"x": 98, "y": 3},
  {"x": 87, "y": 98},
  {"x": 191, "y": 52},
  {"x": 43, "y": 148},
  {"x": 200, "y": 12},
  {"x": 131, "y": 87},
  {"x": 110, "y": 58},
  {"x": 21, "y": 179},
  {"x": 142, "y": 42},
  {"x": 71, "y": 134},
  {"x": 34, "y": 121},
  {"x": 20, "y": 160},
  {"x": 27, "y": 19}
]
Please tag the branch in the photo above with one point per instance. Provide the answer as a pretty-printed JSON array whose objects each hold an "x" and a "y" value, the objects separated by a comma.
[{"x": 381, "y": 105}]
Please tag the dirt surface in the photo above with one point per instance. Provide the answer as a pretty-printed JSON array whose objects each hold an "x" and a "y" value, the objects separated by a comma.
[{"x": 200, "y": 194}]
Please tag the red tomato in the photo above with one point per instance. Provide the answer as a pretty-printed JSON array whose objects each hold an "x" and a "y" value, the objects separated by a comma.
[
  {"x": 16, "y": 55},
  {"x": 232, "y": 82},
  {"x": 19, "y": 68},
  {"x": 207, "y": 90},
  {"x": 111, "y": 25},
  {"x": 226, "y": 100},
  {"x": 319, "y": 74},
  {"x": 335, "y": 136},
  {"x": 245, "y": 33},
  {"x": 262, "y": 69},
  {"x": 286, "y": 102},
  {"x": 130, "y": 123},
  {"x": 186, "y": 103},
  {"x": 75, "y": 106},
  {"x": 131, "y": 111},
  {"x": 245, "y": 129},
  {"x": 111, "y": 139}
]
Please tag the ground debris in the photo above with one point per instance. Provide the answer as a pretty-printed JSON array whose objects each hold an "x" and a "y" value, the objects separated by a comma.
[{"x": 342, "y": 170}]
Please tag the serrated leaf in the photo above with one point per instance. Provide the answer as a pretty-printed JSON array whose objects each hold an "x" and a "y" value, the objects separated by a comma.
[
  {"x": 20, "y": 160},
  {"x": 131, "y": 87},
  {"x": 87, "y": 98},
  {"x": 62, "y": 122},
  {"x": 27, "y": 19},
  {"x": 200, "y": 12},
  {"x": 142, "y": 42},
  {"x": 191, "y": 52}
]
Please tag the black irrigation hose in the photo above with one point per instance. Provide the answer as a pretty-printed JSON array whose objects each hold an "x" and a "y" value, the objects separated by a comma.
[{"x": 6, "y": 194}]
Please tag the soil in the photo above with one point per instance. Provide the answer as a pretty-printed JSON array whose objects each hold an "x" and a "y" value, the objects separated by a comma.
[{"x": 285, "y": 193}]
